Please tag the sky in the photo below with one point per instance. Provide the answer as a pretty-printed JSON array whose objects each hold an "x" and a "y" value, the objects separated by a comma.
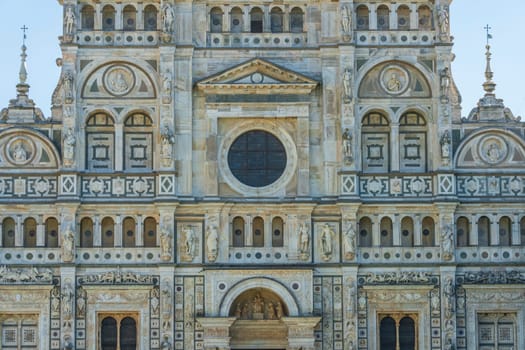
[{"x": 467, "y": 18}]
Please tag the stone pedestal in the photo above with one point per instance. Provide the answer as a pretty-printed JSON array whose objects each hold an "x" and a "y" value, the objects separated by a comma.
[
  {"x": 301, "y": 332},
  {"x": 216, "y": 332}
]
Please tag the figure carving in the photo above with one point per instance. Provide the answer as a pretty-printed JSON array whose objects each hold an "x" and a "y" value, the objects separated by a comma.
[
  {"x": 67, "y": 344},
  {"x": 81, "y": 303},
  {"x": 67, "y": 305},
  {"x": 68, "y": 245},
  {"x": 270, "y": 311},
  {"x": 69, "y": 147},
  {"x": 67, "y": 86},
  {"x": 493, "y": 152},
  {"x": 69, "y": 20},
  {"x": 304, "y": 241},
  {"x": 278, "y": 310},
  {"x": 393, "y": 84},
  {"x": 212, "y": 241},
  {"x": 189, "y": 241},
  {"x": 445, "y": 145},
  {"x": 165, "y": 344},
  {"x": 444, "y": 82},
  {"x": 165, "y": 243},
  {"x": 347, "y": 85},
  {"x": 118, "y": 83},
  {"x": 448, "y": 296},
  {"x": 19, "y": 153},
  {"x": 349, "y": 242},
  {"x": 443, "y": 21},
  {"x": 327, "y": 235},
  {"x": 166, "y": 152},
  {"x": 346, "y": 19},
  {"x": 167, "y": 86},
  {"x": 447, "y": 243},
  {"x": 168, "y": 18},
  {"x": 166, "y": 307}
]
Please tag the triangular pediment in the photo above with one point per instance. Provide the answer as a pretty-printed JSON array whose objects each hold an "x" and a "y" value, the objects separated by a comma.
[{"x": 257, "y": 76}]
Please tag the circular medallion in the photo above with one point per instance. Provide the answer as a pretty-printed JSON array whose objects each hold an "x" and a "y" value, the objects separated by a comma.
[
  {"x": 119, "y": 80},
  {"x": 493, "y": 149},
  {"x": 394, "y": 80},
  {"x": 20, "y": 150},
  {"x": 257, "y": 78}
]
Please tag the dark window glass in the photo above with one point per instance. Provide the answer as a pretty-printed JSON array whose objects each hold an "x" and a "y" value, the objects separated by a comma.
[
  {"x": 109, "y": 334},
  {"x": 388, "y": 334},
  {"x": 407, "y": 334},
  {"x": 257, "y": 158},
  {"x": 128, "y": 334}
]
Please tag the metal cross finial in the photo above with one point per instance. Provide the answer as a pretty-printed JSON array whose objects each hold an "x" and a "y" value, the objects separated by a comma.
[
  {"x": 24, "y": 29},
  {"x": 489, "y": 36}
]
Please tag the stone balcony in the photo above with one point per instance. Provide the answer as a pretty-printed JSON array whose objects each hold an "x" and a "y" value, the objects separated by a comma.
[
  {"x": 394, "y": 37},
  {"x": 273, "y": 40},
  {"x": 397, "y": 255},
  {"x": 258, "y": 255},
  {"x": 507, "y": 255},
  {"x": 118, "y": 38}
]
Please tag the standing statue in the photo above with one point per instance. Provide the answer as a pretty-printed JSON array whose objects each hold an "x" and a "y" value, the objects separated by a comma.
[
  {"x": 68, "y": 245},
  {"x": 304, "y": 240},
  {"x": 166, "y": 151},
  {"x": 165, "y": 243},
  {"x": 168, "y": 18},
  {"x": 167, "y": 86},
  {"x": 69, "y": 147},
  {"x": 189, "y": 241},
  {"x": 69, "y": 21},
  {"x": 278, "y": 310},
  {"x": 212, "y": 242},
  {"x": 443, "y": 21},
  {"x": 448, "y": 296},
  {"x": 67, "y": 86},
  {"x": 346, "y": 20},
  {"x": 347, "y": 85},
  {"x": 349, "y": 242},
  {"x": 67, "y": 305},
  {"x": 447, "y": 243},
  {"x": 445, "y": 146},
  {"x": 327, "y": 235},
  {"x": 444, "y": 75},
  {"x": 166, "y": 303},
  {"x": 347, "y": 145}
]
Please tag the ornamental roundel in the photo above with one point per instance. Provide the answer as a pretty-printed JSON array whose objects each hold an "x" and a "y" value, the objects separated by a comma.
[
  {"x": 119, "y": 80},
  {"x": 493, "y": 149},
  {"x": 20, "y": 150},
  {"x": 394, "y": 79}
]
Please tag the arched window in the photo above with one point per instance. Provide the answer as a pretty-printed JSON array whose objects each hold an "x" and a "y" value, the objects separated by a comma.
[
  {"x": 150, "y": 17},
  {"x": 108, "y": 232},
  {"x": 129, "y": 16},
  {"x": 8, "y": 232},
  {"x": 365, "y": 232},
  {"x": 150, "y": 232},
  {"x": 407, "y": 232},
  {"x": 51, "y": 233},
  {"x": 407, "y": 334},
  {"x": 483, "y": 231},
  {"x": 363, "y": 18},
  {"x": 462, "y": 231},
  {"x": 387, "y": 334},
  {"x": 256, "y": 20},
  {"x": 238, "y": 232},
  {"x": 258, "y": 232},
  {"x": 128, "y": 334},
  {"x": 216, "y": 20},
  {"x": 385, "y": 230},
  {"x": 87, "y": 17},
  {"x": 276, "y": 20},
  {"x": 86, "y": 233},
  {"x": 138, "y": 142},
  {"x": 383, "y": 18},
  {"x": 277, "y": 232},
  {"x": 128, "y": 232},
  {"x": 29, "y": 232},
  {"x": 108, "y": 18},
  {"x": 403, "y": 17},
  {"x": 109, "y": 334},
  {"x": 296, "y": 20},
  {"x": 100, "y": 138},
  {"x": 522, "y": 231},
  {"x": 428, "y": 231},
  {"x": 236, "y": 20},
  {"x": 505, "y": 231},
  {"x": 412, "y": 142},
  {"x": 424, "y": 15},
  {"x": 375, "y": 143}
]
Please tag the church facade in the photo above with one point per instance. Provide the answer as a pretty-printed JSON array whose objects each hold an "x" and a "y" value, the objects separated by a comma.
[{"x": 260, "y": 175}]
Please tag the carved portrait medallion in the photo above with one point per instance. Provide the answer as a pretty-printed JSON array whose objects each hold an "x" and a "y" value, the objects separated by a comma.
[
  {"x": 394, "y": 79},
  {"x": 119, "y": 80},
  {"x": 493, "y": 149},
  {"x": 20, "y": 150}
]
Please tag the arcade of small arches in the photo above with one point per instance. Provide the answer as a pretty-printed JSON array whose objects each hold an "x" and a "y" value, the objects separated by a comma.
[
  {"x": 115, "y": 17},
  {"x": 394, "y": 17}
]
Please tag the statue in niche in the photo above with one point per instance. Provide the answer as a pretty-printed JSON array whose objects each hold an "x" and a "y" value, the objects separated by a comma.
[
  {"x": 444, "y": 82},
  {"x": 165, "y": 243},
  {"x": 166, "y": 86},
  {"x": 393, "y": 84},
  {"x": 19, "y": 153},
  {"x": 69, "y": 20},
  {"x": 55, "y": 302},
  {"x": 493, "y": 152},
  {"x": 443, "y": 20},
  {"x": 270, "y": 311},
  {"x": 349, "y": 242},
  {"x": 67, "y": 305},
  {"x": 168, "y": 140},
  {"x": 212, "y": 242},
  {"x": 258, "y": 304},
  {"x": 304, "y": 241},
  {"x": 447, "y": 243},
  {"x": 445, "y": 146},
  {"x": 166, "y": 307},
  {"x": 347, "y": 85},
  {"x": 69, "y": 147},
  {"x": 67, "y": 86},
  {"x": 278, "y": 310},
  {"x": 346, "y": 19},
  {"x": 327, "y": 235},
  {"x": 347, "y": 145},
  {"x": 81, "y": 303},
  {"x": 168, "y": 18},
  {"x": 189, "y": 241},
  {"x": 448, "y": 296},
  {"x": 68, "y": 245}
]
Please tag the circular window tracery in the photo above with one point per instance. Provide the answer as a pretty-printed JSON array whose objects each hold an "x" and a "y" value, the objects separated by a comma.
[{"x": 257, "y": 158}]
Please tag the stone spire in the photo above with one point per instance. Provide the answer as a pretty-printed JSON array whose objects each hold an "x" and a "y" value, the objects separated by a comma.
[
  {"x": 22, "y": 109},
  {"x": 489, "y": 86}
]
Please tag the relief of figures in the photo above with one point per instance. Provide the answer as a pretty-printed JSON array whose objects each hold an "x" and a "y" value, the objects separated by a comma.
[{"x": 259, "y": 308}]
